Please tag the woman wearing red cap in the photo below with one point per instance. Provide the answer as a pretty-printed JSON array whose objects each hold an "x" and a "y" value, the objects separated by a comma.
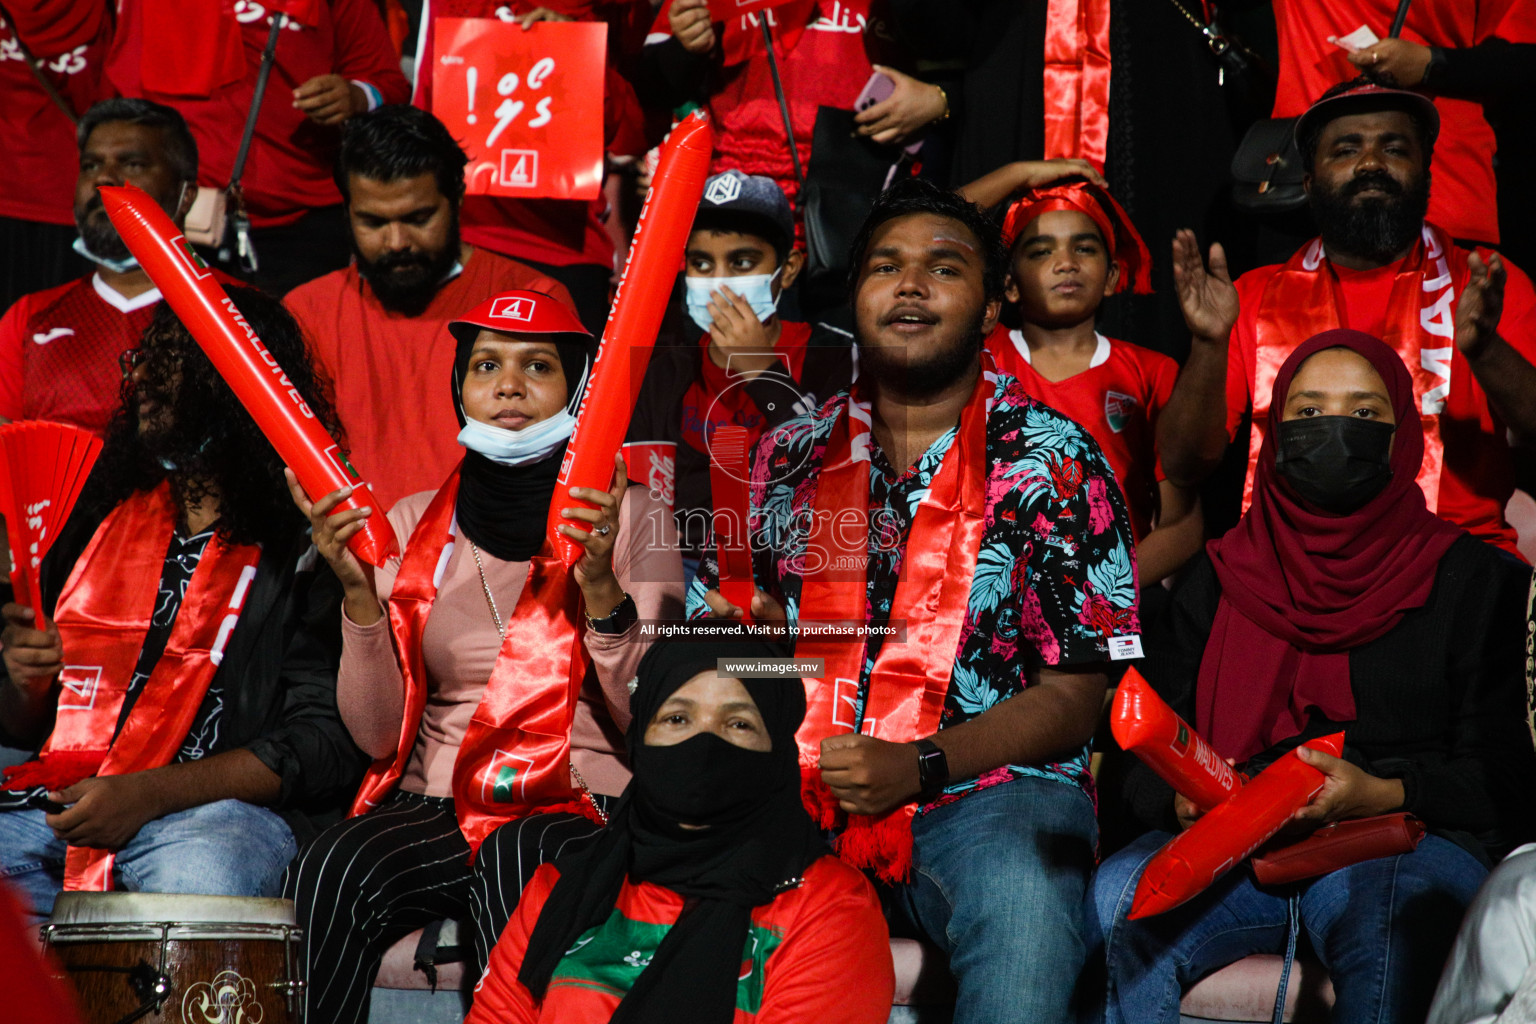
[{"x": 489, "y": 683}]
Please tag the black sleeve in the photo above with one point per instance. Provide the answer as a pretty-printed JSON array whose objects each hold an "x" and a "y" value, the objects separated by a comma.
[
  {"x": 678, "y": 76},
  {"x": 309, "y": 747},
  {"x": 1175, "y": 645},
  {"x": 1491, "y": 70},
  {"x": 1485, "y": 782}
]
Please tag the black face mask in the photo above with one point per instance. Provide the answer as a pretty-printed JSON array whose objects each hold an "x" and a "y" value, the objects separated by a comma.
[
  {"x": 1337, "y": 463},
  {"x": 704, "y": 780}
]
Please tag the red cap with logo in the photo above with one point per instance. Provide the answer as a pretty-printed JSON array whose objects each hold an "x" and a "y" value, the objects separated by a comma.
[{"x": 519, "y": 312}]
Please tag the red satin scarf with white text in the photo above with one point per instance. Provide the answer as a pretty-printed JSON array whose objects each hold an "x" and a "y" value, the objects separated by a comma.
[
  {"x": 910, "y": 680},
  {"x": 1304, "y": 299},
  {"x": 515, "y": 758}
]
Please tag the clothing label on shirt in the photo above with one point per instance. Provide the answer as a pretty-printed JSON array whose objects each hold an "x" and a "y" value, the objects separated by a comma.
[{"x": 1123, "y": 648}]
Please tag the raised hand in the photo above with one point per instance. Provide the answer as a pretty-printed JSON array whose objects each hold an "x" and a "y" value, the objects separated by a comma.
[
  {"x": 691, "y": 26},
  {"x": 1206, "y": 296},
  {"x": 1481, "y": 305},
  {"x": 594, "y": 571},
  {"x": 331, "y": 534}
]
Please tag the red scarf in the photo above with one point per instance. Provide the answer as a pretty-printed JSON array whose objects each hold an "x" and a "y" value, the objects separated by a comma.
[
  {"x": 910, "y": 680},
  {"x": 515, "y": 758},
  {"x": 1300, "y": 589},
  {"x": 1304, "y": 299},
  {"x": 1127, "y": 249},
  {"x": 719, "y": 399},
  {"x": 1077, "y": 80},
  {"x": 103, "y": 616}
]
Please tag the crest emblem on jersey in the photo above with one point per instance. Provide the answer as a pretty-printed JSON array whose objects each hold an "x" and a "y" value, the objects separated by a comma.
[
  {"x": 724, "y": 189},
  {"x": 1118, "y": 409},
  {"x": 513, "y": 309}
]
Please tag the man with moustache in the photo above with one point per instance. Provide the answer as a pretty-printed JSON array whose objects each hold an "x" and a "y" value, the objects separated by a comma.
[
  {"x": 938, "y": 499},
  {"x": 59, "y": 347},
  {"x": 1463, "y": 320},
  {"x": 379, "y": 327}
]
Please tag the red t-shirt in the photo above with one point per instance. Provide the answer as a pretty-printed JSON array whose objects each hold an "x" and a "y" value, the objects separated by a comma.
[
  {"x": 818, "y": 954},
  {"x": 59, "y": 352},
  {"x": 825, "y": 52},
  {"x": 557, "y": 232},
  {"x": 1117, "y": 400},
  {"x": 1462, "y": 196},
  {"x": 391, "y": 374},
  {"x": 1478, "y": 473},
  {"x": 289, "y": 170},
  {"x": 38, "y": 162}
]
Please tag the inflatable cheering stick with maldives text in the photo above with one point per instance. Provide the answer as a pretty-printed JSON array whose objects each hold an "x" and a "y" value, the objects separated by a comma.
[
  {"x": 1146, "y": 726},
  {"x": 655, "y": 256},
  {"x": 209, "y": 314},
  {"x": 1189, "y": 863}
]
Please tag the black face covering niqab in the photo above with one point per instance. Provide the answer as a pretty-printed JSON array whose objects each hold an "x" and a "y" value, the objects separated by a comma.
[
  {"x": 756, "y": 838},
  {"x": 503, "y": 509}
]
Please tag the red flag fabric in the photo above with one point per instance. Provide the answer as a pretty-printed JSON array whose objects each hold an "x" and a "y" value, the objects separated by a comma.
[{"x": 522, "y": 103}]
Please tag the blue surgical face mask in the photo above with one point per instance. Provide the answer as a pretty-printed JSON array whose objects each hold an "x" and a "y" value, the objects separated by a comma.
[
  {"x": 518, "y": 447},
  {"x": 757, "y": 289}
]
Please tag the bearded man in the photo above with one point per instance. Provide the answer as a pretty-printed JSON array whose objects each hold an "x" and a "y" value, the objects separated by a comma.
[
  {"x": 1463, "y": 320},
  {"x": 937, "y": 500},
  {"x": 380, "y": 327}
]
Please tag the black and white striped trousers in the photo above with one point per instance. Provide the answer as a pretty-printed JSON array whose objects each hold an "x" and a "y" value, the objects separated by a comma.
[{"x": 366, "y": 882}]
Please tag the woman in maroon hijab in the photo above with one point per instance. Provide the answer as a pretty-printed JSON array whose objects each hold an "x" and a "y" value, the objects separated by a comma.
[{"x": 1339, "y": 601}]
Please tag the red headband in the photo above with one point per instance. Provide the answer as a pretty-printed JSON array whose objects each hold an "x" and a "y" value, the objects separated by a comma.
[{"x": 1126, "y": 247}]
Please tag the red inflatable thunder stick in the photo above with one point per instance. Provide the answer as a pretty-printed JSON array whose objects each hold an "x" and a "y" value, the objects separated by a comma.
[
  {"x": 728, "y": 488},
  {"x": 243, "y": 361},
  {"x": 1209, "y": 848},
  {"x": 1146, "y": 726},
  {"x": 666, "y": 218}
]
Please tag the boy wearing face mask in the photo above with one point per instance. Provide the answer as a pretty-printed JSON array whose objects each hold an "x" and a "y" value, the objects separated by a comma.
[
  {"x": 1072, "y": 246},
  {"x": 748, "y": 367}
]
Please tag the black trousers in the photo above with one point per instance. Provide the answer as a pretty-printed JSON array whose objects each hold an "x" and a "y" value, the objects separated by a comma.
[{"x": 366, "y": 882}]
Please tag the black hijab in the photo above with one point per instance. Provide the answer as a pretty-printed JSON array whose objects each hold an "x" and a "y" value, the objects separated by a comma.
[
  {"x": 759, "y": 838},
  {"x": 503, "y": 509}
]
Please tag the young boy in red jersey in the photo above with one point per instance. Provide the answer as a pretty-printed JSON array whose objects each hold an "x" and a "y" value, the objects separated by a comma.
[{"x": 1071, "y": 245}]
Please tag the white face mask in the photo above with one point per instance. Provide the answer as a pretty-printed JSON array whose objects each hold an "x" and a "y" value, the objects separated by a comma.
[
  {"x": 518, "y": 447},
  {"x": 757, "y": 289},
  {"x": 116, "y": 266}
]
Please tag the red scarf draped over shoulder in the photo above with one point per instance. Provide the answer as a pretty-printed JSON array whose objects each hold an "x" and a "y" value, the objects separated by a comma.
[
  {"x": 1300, "y": 588},
  {"x": 515, "y": 758},
  {"x": 1304, "y": 298},
  {"x": 103, "y": 616},
  {"x": 910, "y": 680}
]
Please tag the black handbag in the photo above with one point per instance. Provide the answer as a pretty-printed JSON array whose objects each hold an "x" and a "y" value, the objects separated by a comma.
[{"x": 1266, "y": 168}]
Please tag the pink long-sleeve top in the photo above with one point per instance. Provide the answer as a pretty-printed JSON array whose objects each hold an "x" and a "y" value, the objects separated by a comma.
[{"x": 460, "y": 644}]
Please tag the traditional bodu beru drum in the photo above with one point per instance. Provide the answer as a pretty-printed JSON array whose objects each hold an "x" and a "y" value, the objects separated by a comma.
[{"x": 167, "y": 959}]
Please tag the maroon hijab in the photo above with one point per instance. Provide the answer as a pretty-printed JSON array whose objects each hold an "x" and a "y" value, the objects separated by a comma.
[{"x": 1301, "y": 587}]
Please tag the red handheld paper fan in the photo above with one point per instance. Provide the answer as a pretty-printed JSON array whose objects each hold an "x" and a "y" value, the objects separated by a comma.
[{"x": 43, "y": 466}]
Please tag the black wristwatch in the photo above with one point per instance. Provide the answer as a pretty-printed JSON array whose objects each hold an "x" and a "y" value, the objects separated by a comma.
[
  {"x": 932, "y": 770},
  {"x": 617, "y": 621}
]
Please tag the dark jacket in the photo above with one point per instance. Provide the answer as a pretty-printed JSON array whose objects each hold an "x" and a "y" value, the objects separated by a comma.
[
  {"x": 278, "y": 672},
  {"x": 1439, "y": 700}
]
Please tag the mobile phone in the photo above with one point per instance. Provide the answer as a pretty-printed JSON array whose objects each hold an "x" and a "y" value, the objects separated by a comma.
[{"x": 878, "y": 89}]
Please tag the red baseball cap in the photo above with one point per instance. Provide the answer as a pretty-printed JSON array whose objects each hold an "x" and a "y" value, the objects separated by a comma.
[
  {"x": 1363, "y": 96},
  {"x": 518, "y": 312}
]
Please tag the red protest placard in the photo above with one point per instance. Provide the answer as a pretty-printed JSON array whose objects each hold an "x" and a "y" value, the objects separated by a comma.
[{"x": 526, "y": 104}]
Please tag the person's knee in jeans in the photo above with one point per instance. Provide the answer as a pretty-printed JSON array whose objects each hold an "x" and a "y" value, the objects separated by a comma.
[
  {"x": 227, "y": 847},
  {"x": 32, "y": 859}
]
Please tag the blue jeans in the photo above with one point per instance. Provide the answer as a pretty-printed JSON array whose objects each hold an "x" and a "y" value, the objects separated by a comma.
[
  {"x": 1382, "y": 928},
  {"x": 997, "y": 883},
  {"x": 226, "y": 848}
]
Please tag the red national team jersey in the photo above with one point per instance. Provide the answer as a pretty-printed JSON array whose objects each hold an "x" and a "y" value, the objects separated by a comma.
[
  {"x": 1462, "y": 195},
  {"x": 59, "y": 352},
  {"x": 1117, "y": 399},
  {"x": 1478, "y": 474}
]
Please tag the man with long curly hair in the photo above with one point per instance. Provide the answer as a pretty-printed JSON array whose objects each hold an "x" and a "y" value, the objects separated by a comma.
[{"x": 180, "y": 675}]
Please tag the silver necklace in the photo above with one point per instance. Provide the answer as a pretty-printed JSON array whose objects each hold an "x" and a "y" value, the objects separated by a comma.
[{"x": 501, "y": 631}]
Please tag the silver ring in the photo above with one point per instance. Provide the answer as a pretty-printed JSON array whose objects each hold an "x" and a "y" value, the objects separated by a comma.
[{"x": 603, "y": 531}]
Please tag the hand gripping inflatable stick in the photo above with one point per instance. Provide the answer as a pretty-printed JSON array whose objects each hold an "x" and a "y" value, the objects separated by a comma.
[
  {"x": 1208, "y": 849},
  {"x": 243, "y": 361},
  {"x": 1146, "y": 726},
  {"x": 666, "y": 218}
]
